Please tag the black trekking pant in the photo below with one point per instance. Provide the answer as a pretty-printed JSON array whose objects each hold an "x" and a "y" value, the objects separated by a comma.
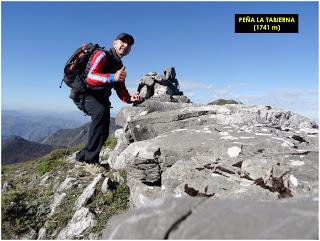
[{"x": 99, "y": 109}]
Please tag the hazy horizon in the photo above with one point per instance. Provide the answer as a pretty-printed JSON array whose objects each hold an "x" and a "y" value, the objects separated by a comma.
[{"x": 79, "y": 115}]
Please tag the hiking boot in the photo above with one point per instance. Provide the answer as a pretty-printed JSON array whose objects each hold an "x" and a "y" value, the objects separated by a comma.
[
  {"x": 94, "y": 168},
  {"x": 80, "y": 156}
]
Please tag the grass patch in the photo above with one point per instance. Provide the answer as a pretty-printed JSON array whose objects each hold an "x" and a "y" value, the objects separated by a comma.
[
  {"x": 43, "y": 164},
  {"x": 61, "y": 153},
  {"x": 23, "y": 210},
  {"x": 111, "y": 143},
  {"x": 49, "y": 165},
  {"x": 25, "y": 205}
]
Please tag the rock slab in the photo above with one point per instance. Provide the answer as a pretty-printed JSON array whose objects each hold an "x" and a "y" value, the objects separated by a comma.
[{"x": 201, "y": 218}]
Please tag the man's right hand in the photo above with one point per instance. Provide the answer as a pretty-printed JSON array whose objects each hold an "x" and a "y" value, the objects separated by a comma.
[{"x": 120, "y": 75}]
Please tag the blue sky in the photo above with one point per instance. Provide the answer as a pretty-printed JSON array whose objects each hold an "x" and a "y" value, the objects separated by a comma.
[{"x": 197, "y": 38}]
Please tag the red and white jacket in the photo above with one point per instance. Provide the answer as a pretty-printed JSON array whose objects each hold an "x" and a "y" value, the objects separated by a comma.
[{"x": 101, "y": 73}]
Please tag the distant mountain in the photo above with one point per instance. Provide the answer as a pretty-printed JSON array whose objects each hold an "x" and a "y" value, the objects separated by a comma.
[
  {"x": 34, "y": 127},
  {"x": 74, "y": 137},
  {"x": 224, "y": 102},
  {"x": 16, "y": 149},
  {"x": 4, "y": 138}
]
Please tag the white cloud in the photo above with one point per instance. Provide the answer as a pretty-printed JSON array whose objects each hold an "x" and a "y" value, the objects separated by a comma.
[
  {"x": 191, "y": 85},
  {"x": 189, "y": 94},
  {"x": 304, "y": 101},
  {"x": 204, "y": 93}
]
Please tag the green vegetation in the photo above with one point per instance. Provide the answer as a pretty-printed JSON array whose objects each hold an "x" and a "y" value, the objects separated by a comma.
[
  {"x": 46, "y": 166},
  {"x": 23, "y": 209},
  {"x": 26, "y": 204},
  {"x": 64, "y": 212},
  {"x": 111, "y": 143},
  {"x": 224, "y": 102},
  {"x": 40, "y": 166}
]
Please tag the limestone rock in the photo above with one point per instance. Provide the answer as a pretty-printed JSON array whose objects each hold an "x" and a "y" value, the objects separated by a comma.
[
  {"x": 137, "y": 222},
  {"x": 180, "y": 99},
  {"x": 155, "y": 123},
  {"x": 146, "y": 92},
  {"x": 198, "y": 157},
  {"x": 57, "y": 200},
  {"x": 127, "y": 113},
  {"x": 32, "y": 234},
  {"x": 264, "y": 220},
  {"x": 6, "y": 186},
  {"x": 66, "y": 184},
  {"x": 142, "y": 195},
  {"x": 122, "y": 144},
  {"x": 87, "y": 193},
  {"x": 82, "y": 220},
  {"x": 148, "y": 80},
  {"x": 148, "y": 171},
  {"x": 104, "y": 153},
  {"x": 42, "y": 233},
  {"x": 161, "y": 88},
  {"x": 193, "y": 218},
  {"x": 234, "y": 153},
  {"x": 170, "y": 73},
  {"x": 117, "y": 177},
  {"x": 45, "y": 178},
  {"x": 104, "y": 187}
]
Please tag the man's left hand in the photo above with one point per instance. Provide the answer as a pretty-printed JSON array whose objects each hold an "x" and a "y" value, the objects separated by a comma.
[{"x": 136, "y": 98}]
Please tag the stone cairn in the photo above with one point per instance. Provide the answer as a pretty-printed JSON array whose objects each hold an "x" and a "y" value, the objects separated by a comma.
[{"x": 162, "y": 88}]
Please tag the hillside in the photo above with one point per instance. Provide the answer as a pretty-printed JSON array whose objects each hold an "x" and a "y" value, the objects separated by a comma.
[
  {"x": 224, "y": 102},
  {"x": 16, "y": 149},
  {"x": 39, "y": 196},
  {"x": 33, "y": 127},
  {"x": 76, "y": 136}
]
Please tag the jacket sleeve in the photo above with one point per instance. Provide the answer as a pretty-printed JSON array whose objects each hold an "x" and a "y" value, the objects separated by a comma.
[
  {"x": 122, "y": 92},
  {"x": 95, "y": 76}
]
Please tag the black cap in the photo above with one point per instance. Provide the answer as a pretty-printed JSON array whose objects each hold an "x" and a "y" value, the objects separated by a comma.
[{"x": 122, "y": 36}]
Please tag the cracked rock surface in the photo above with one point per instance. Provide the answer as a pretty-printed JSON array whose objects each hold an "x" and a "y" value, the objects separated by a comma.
[
  {"x": 250, "y": 158},
  {"x": 238, "y": 153},
  {"x": 153, "y": 222},
  {"x": 231, "y": 161},
  {"x": 202, "y": 218}
]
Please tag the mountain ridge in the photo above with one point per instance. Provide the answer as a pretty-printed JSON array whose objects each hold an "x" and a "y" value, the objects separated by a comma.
[
  {"x": 17, "y": 149},
  {"x": 31, "y": 126},
  {"x": 75, "y": 136}
]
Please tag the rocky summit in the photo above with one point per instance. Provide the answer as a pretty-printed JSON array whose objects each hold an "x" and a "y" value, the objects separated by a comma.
[
  {"x": 198, "y": 171},
  {"x": 184, "y": 171}
]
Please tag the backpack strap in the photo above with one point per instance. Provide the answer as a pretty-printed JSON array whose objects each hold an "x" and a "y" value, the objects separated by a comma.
[{"x": 86, "y": 72}]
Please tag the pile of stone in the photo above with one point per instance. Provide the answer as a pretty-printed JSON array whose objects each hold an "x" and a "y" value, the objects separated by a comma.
[{"x": 164, "y": 88}]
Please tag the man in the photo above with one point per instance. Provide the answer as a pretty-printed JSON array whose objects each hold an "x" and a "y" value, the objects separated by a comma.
[{"x": 104, "y": 72}]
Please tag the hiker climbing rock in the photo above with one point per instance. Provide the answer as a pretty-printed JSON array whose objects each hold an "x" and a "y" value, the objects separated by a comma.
[{"x": 103, "y": 71}]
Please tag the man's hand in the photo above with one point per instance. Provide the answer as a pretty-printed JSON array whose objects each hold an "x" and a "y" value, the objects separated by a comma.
[
  {"x": 120, "y": 75},
  {"x": 136, "y": 98}
]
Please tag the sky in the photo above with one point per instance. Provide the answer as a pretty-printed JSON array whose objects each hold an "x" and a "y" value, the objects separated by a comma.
[{"x": 197, "y": 38}]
